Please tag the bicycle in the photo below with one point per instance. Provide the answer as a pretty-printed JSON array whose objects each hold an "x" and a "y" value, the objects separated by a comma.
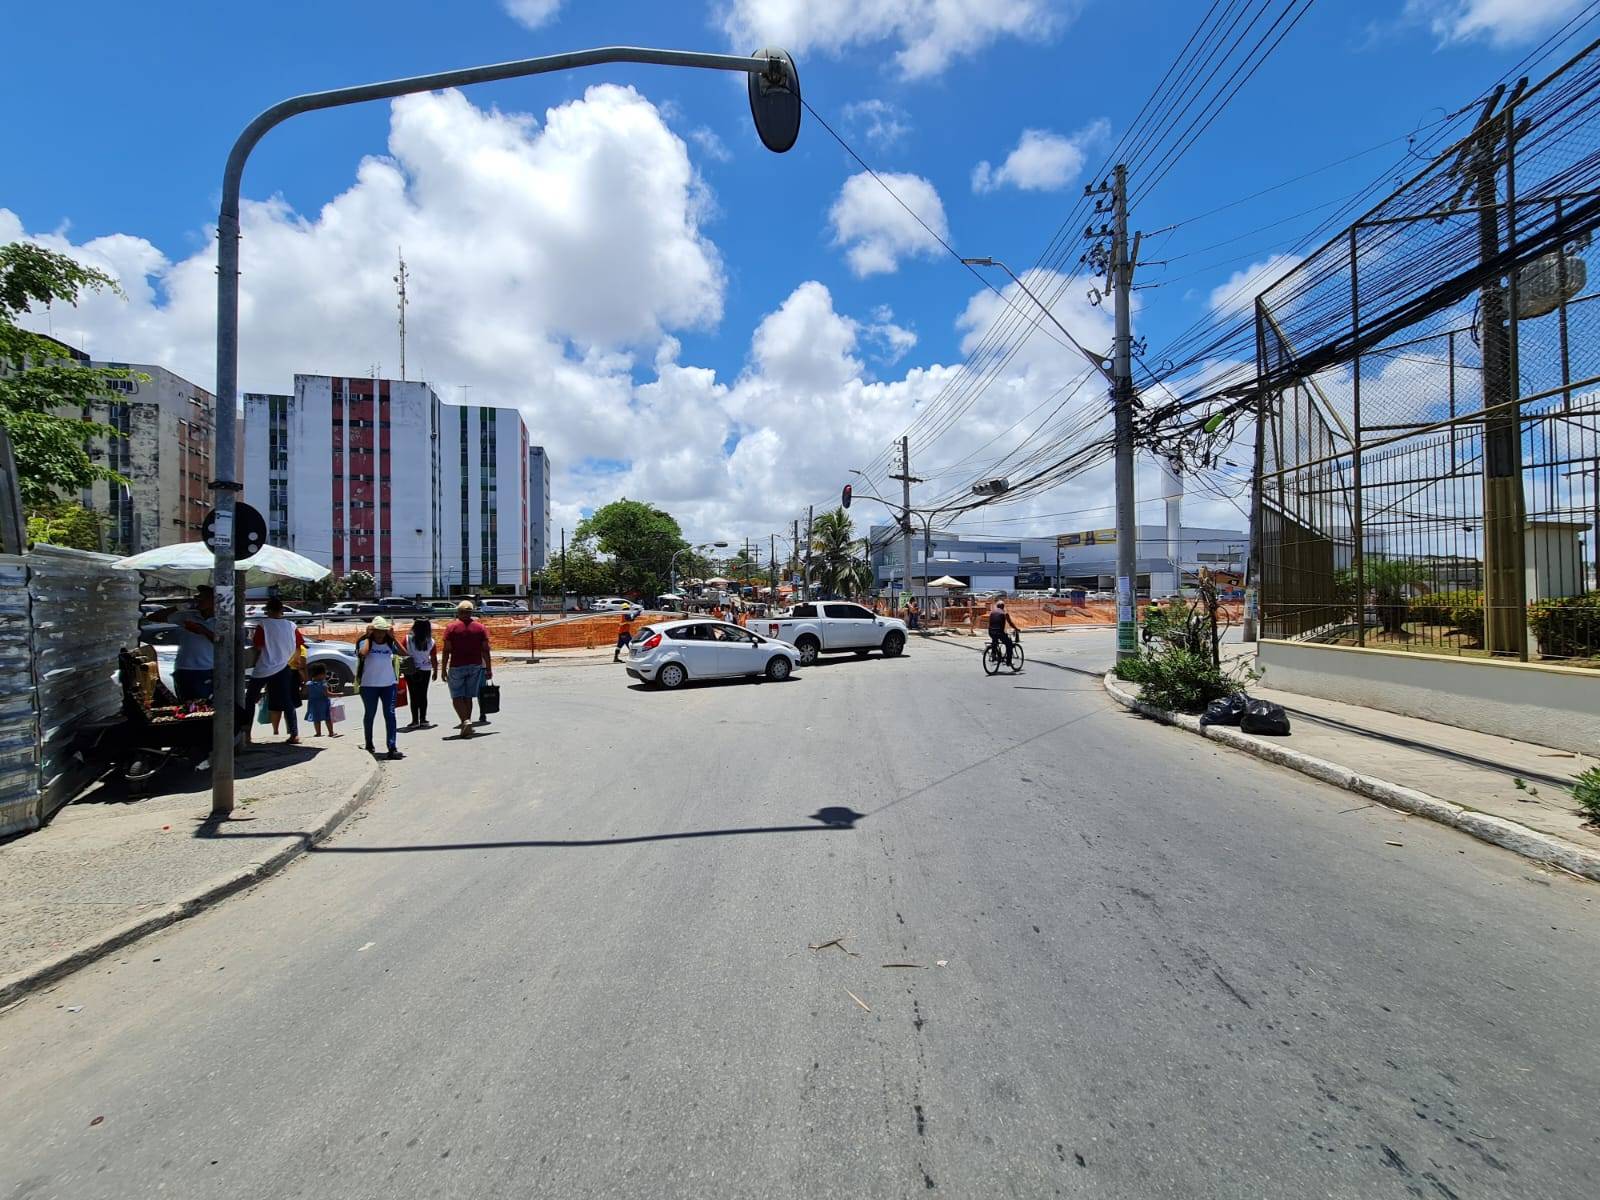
[{"x": 994, "y": 657}]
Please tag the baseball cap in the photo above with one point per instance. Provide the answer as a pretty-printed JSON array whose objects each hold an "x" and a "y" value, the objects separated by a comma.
[{"x": 464, "y": 606}]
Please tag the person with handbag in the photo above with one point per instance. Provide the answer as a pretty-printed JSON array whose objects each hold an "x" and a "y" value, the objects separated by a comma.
[
  {"x": 378, "y": 657},
  {"x": 279, "y": 647},
  {"x": 421, "y": 666},
  {"x": 467, "y": 663}
]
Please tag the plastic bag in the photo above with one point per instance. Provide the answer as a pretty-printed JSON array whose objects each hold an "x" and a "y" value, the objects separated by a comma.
[
  {"x": 400, "y": 696},
  {"x": 1227, "y": 711},
  {"x": 1262, "y": 716},
  {"x": 263, "y": 713},
  {"x": 489, "y": 698}
]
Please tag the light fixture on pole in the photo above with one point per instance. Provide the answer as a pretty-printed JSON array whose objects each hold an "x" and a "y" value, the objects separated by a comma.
[{"x": 775, "y": 107}]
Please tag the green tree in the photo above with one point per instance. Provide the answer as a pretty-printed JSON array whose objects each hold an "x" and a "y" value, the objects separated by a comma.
[
  {"x": 746, "y": 568},
  {"x": 36, "y": 380},
  {"x": 68, "y": 524},
  {"x": 582, "y": 573},
  {"x": 640, "y": 539},
  {"x": 358, "y": 585},
  {"x": 839, "y": 562}
]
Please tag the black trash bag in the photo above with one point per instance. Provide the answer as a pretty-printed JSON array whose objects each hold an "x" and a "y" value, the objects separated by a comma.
[
  {"x": 1265, "y": 717},
  {"x": 1226, "y": 711}
]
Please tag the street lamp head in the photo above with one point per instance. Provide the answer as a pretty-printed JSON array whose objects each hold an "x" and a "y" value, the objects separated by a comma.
[{"x": 977, "y": 262}]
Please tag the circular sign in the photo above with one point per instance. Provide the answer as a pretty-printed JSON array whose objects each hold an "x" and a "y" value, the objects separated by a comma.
[
  {"x": 246, "y": 532},
  {"x": 775, "y": 100}
]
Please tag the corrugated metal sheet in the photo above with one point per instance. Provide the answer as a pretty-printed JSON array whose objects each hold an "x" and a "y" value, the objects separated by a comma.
[
  {"x": 83, "y": 614},
  {"x": 19, "y": 725}
]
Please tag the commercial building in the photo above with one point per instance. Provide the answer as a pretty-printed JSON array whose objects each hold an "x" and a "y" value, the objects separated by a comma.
[
  {"x": 1084, "y": 558},
  {"x": 539, "y": 507},
  {"x": 381, "y": 475},
  {"x": 164, "y": 452}
]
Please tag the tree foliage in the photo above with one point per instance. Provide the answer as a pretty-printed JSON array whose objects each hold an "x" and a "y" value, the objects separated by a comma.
[
  {"x": 36, "y": 381},
  {"x": 579, "y": 571},
  {"x": 68, "y": 524},
  {"x": 839, "y": 562},
  {"x": 358, "y": 585},
  {"x": 640, "y": 540}
]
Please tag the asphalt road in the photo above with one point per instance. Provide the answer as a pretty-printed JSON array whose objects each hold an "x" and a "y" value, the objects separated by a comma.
[{"x": 571, "y": 959}]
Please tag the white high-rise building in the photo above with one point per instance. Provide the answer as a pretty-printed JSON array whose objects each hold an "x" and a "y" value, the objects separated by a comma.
[{"x": 380, "y": 475}]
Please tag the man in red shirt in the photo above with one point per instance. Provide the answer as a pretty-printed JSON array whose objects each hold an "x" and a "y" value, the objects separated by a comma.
[{"x": 466, "y": 662}]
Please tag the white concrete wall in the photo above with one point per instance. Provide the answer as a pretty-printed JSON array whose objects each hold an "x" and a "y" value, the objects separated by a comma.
[
  {"x": 410, "y": 515},
  {"x": 310, "y": 509},
  {"x": 1550, "y": 706}
]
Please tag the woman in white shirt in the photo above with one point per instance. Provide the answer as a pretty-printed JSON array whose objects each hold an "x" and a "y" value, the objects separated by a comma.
[
  {"x": 379, "y": 658},
  {"x": 278, "y": 641},
  {"x": 421, "y": 666}
]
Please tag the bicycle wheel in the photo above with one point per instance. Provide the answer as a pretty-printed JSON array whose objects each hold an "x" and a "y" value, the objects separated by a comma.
[
  {"x": 991, "y": 660},
  {"x": 1016, "y": 656}
]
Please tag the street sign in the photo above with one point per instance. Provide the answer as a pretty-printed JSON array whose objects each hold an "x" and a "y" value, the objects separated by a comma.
[
  {"x": 775, "y": 101},
  {"x": 247, "y": 532}
]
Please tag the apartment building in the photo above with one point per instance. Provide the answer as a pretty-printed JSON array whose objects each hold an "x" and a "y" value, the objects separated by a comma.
[{"x": 381, "y": 475}]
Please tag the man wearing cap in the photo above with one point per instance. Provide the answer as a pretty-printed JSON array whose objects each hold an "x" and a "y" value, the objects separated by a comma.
[{"x": 466, "y": 662}]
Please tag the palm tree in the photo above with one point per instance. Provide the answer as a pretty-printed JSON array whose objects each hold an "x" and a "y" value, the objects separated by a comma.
[{"x": 838, "y": 558}]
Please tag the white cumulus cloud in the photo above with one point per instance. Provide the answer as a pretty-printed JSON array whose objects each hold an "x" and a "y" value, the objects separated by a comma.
[
  {"x": 879, "y": 121},
  {"x": 1042, "y": 161},
  {"x": 1237, "y": 296},
  {"x": 929, "y": 34},
  {"x": 1502, "y": 22},
  {"x": 532, "y": 13},
  {"x": 876, "y": 231}
]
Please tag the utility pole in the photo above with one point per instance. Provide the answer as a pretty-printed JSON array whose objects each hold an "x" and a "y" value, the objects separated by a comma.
[
  {"x": 400, "y": 282},
  {"x": 906, "y": 480},
  {"x": 794, "y": 556},
  {"x": 1120, "y": 265},
  {"x": 563, "y": 601},
  {"x": 805, "y": 579},
  {"x": 772, "y": 563}
]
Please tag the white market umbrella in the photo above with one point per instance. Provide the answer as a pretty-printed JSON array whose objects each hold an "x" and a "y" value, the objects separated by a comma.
[
  {"x": 191, "y": 563},
  {"x": 946, "y": 581}
]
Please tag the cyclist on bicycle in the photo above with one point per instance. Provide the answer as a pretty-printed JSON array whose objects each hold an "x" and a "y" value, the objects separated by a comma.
[{"x": 999, "y": 618}]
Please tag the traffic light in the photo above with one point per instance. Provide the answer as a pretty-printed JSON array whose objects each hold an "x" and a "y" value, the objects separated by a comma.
[{"x": 844, "y": 497}]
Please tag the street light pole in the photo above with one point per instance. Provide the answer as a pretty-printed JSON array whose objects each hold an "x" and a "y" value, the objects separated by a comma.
[{"x": 774, "y": 105}]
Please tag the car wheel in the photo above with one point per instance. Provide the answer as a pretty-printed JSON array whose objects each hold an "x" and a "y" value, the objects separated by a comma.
[
  {"x": 339, "y": 673},
  {"x": 809, "y": 648},
  {"x": 778, "y": 669},
  {"x": 893, "y": 644},
  {"x": 671, "y": 676}
]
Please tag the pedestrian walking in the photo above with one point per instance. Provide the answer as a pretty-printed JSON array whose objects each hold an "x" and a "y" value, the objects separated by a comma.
[
  {"x": 197, "y": 642},
  {"x": 319, "y": 709},
  {"x": 466, "y": 663},
  {"x": 280, "y": 652},
  {"x": 623, "y": 637},
  {"x": 379, "y": 657},
  {"x": 421, "y": 667}
]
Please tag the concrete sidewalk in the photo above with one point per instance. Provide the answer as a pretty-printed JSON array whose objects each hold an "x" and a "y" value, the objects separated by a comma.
[
  {"x": 109, "y": 869},
  {"x": 1456, "y": 776}
]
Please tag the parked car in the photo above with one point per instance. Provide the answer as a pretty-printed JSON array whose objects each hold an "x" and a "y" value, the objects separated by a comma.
[
  {"x": 338, "y": 657},
  {"x": 673, "y": 652},
  {"x": 347, "y": 609},
  {"x": 502, "y": 607},
  {"x": 394, "y": 604},
  {"x": 834, "y": 626},
  {"x": 611, "y": 604},
  {"x": 294, "y": 614}
]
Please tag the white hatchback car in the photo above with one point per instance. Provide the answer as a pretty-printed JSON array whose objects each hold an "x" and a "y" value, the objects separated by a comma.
[
  {"x": 611, "y": 604},
  {"x": 670, "y": 653}
]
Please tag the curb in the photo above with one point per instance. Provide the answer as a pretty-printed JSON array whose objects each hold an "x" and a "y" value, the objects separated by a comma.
[
  {"x": 1497, "y": 831},
  {"x": 18, "y": 986}
]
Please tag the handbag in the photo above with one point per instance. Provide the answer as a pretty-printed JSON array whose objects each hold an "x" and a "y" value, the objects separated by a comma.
[
  {"x": 335, "y": 711},
  {"x": 489, "y": 698},
  {"x": 400, "y": 696},
  {"x": 263, "y": 713}
]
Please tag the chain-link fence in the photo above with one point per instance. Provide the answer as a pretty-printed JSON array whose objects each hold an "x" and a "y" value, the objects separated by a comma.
[{"x": 1429, "y": 458}]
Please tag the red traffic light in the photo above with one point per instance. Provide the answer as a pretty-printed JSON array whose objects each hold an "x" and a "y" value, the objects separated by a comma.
[{"x": 844, "y": 498}]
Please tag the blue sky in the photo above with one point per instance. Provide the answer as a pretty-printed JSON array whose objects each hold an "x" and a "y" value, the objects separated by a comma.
[{"x": 765, "y": 348}]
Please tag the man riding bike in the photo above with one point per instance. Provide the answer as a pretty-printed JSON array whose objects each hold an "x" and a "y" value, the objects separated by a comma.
[{"x": 999, "y": 618}]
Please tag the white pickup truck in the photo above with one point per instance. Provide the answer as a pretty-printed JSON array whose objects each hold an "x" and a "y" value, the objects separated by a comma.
[{"x": 831, "y": 627}]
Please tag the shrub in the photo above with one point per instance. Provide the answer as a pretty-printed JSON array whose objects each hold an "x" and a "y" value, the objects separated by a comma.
[
  {"x": 1462, "y": 611},
  {"x": 1180, "y": 680},
  {"x": 1130, "y": 670},
  {"x": 1568, "y": 627},
  {"x": 1586, "y": 791}
]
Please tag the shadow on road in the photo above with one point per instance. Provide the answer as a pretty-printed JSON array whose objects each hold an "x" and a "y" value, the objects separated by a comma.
[{"x": 833, "y": 819}]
